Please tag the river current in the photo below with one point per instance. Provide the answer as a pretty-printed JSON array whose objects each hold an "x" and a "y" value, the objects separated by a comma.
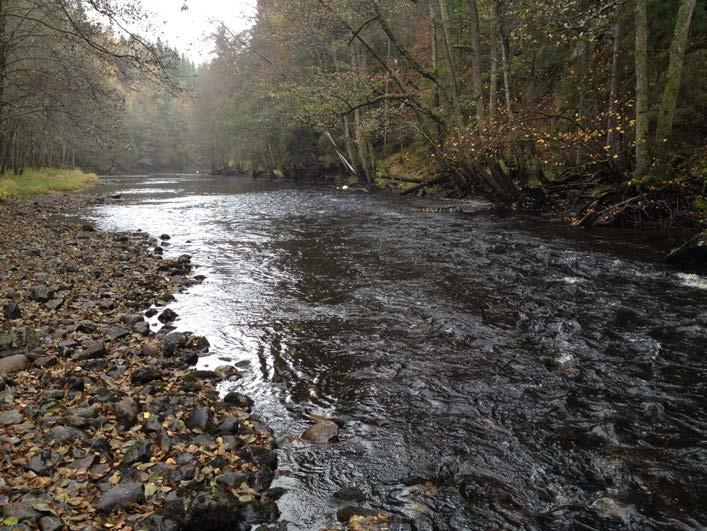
[{"x": 487, "y": 373}]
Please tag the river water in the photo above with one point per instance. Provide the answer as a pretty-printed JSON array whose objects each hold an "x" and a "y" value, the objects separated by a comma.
[{"x": 488, "y": 373}]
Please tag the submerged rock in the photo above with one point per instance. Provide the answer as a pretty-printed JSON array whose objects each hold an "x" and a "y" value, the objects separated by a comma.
[
  {"x": 322, "y": 432},
  {"x": 350, "y": 494},
  {"x": 692, "y": 253}
]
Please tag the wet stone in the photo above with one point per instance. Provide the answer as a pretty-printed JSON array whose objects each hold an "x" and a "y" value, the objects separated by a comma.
[
  {"x": 261, "y": 480},
  {"x": 322, "y": 432},
  {"x": 168, "y": 316},
  {"x": 142, "y": 328},
  {"x": 350, "y": 494},
  {"x": 259, "y": 456},
  {"x": 238, "y": 399}
]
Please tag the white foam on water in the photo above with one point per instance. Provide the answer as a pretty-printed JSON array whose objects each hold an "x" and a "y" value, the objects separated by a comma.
[
  {"x": 692, "y": 281},
  {"x": 573, "y": 280}
]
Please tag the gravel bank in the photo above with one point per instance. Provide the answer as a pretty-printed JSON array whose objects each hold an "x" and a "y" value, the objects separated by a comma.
[{"x": 103, "y": 422}]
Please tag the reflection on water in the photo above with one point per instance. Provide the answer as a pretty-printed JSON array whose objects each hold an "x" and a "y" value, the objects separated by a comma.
[{"x": 489, "y": 374}]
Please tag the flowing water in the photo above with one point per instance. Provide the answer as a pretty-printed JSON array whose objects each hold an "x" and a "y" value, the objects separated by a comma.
[{"x": 488, "y": 373}]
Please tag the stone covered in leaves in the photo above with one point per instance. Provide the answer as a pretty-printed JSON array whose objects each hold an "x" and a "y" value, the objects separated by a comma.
[{"x": 94, "y": 411}]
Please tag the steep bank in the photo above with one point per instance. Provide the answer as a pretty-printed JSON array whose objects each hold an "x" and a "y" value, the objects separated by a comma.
[{"x": 103, "y": 422}]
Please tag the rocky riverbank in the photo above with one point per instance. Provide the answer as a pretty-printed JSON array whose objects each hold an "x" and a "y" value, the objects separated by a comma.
[{"x": 103, "y": 421}]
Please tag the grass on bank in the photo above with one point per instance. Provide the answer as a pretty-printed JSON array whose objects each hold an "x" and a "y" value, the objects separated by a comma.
[{"x": 43, "y": 181}]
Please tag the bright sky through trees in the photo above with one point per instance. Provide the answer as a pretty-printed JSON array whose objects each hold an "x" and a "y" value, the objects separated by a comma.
[{"x": 187, "y": 29}]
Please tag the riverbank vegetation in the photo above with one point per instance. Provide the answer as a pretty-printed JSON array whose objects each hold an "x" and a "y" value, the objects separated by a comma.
[
  {"x": 585, "y": 110},
  {"x": 591, "y": 109},
  {"x": 43, "y": 181}
]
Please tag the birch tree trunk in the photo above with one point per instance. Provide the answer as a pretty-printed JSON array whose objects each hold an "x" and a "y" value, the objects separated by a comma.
[
  {"x": 641, "y": 9},
  {"x": 666, "y": 115}
]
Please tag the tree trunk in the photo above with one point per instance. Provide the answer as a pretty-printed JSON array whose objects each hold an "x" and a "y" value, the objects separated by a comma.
[
  {"x": 454, "y": 85},
  {"x": 584, "y": 69},
  {"x": 614, "y": 86},
  {"x": 666, "y": 115},
  {"x": 642, "y": 162},
  {"x": 434, "y": 59},
  {"x": 476, "y": 64},
  {"x": 271, "y": 162},
  {"x": 493, "y": 82},
  {"x": 505, "y": 53},
  {"x": 3, "y": 64}
]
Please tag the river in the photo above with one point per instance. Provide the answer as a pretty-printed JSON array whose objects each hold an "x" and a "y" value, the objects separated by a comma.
[{"x": 487, "y": 373}]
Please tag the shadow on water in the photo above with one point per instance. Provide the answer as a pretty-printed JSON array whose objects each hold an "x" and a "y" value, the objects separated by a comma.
[{"x": 488, "y": 373}]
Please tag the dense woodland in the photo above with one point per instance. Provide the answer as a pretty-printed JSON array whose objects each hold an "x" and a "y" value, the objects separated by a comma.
[{"x": 597, "y": 108}]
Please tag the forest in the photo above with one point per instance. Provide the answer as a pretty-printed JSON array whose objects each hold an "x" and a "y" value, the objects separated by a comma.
[
  {"x": 363, "y": 265},
  {"x": 589, "y": 109}
]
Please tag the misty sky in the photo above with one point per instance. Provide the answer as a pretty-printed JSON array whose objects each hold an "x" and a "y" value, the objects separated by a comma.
[{"x": 186, "y": 30}]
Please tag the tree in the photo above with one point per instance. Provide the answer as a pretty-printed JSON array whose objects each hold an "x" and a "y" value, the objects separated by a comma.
[
  {"x": 642, "y": 155},
  {"x": 666, "y": 115}
]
